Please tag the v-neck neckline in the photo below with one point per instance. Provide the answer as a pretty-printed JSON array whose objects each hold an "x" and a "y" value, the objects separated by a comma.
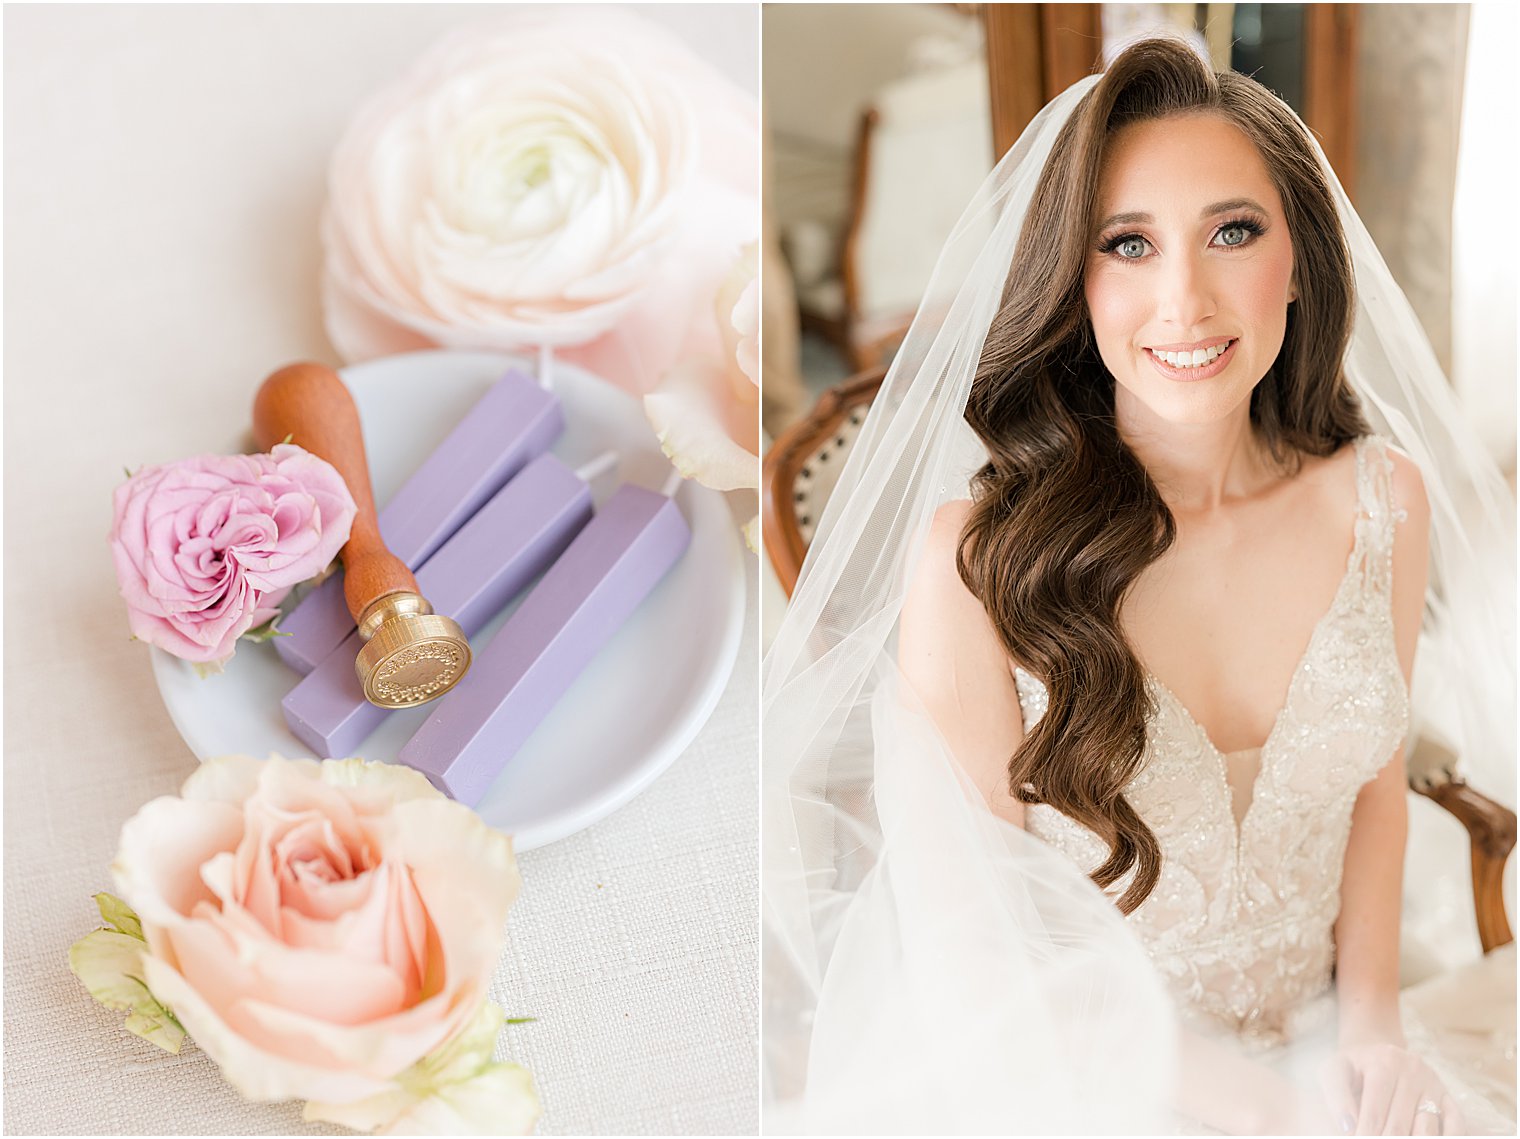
[
  {"x": 1353, "y": 561},
  {"x": 1267, "y": 747}
]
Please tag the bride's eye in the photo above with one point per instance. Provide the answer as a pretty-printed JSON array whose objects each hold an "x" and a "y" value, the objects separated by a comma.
[
  {"x": 1129, "y": 246},
  {"x": 1234, "y": 234}
]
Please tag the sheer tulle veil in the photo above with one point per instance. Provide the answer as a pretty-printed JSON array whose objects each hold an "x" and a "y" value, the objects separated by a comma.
[{"x": 929, "y": 968}]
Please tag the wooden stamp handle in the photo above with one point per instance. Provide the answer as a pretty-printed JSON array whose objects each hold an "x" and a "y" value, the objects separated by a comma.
[{"x": 309, "y": 404}]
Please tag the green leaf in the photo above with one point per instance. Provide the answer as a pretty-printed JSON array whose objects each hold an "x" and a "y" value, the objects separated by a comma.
[
  {"x": 109, "y": 964},
  {"x": 266, "y": 632},
  {"x": 127, "y": 471},
  {"x": 118, "y": 915},
  {"x": 496, "y": 1099},
  {"x": 521, "y": 1019},
  {"x": 288, "y": 438},
  {"x": 157, "y": 1026}
]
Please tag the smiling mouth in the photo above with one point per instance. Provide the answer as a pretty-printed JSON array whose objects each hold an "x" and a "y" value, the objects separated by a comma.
[
  {"x": 1197, "y": 358},
  {"x": 1210, "y": 361}
]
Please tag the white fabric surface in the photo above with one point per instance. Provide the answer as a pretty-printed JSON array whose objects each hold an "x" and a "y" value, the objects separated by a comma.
[{"x": 164, "y": 172}]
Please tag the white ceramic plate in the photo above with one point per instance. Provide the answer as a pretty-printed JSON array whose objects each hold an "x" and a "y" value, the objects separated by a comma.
[{"x": 627, "y": 717}]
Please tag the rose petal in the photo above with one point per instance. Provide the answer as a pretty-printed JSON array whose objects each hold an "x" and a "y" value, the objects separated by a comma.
[
  {"x": 258, "y": 1073},
  {"x": 696, "y": 429},
  {"x": 162, "y": 848},
  {"x": 225, "y": 779},
  {"x": 226, "y": 966},
  {"x": 378, "y": 1048}
]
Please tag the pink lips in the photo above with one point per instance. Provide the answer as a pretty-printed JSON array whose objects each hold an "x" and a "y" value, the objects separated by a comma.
[{"x": 1203, "y": 371}]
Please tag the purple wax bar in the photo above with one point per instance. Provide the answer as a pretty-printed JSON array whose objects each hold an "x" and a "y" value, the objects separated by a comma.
[
  {"x": 581, "y": 602},
  {"x": 512, "y": 423},
  {"x": 513, "y": 539}
]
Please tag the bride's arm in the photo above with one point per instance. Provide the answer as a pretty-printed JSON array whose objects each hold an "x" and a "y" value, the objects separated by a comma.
[
  {"x": 952, "y": 658},
  {"x": 1372, "y": 1041},
  {"x": 1367, "y": 930}
]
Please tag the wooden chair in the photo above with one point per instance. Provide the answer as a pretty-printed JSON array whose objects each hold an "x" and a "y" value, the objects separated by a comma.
[
  {"x": 921, "y": 150},
  {"x": 803, "y": 465},
  {"x": 833, "y": 308},
  {"x": 800, "y": 471}
]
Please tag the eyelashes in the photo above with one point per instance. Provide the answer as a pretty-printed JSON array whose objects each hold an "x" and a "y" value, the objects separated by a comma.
[{"x": 1252, "y": 228}]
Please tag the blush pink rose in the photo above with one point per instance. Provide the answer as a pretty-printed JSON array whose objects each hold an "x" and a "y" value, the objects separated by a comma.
[
  {"x": 318, "y": 928},
  {"x": 568, "y": 177},
  {"x": 207, "y": 548}
]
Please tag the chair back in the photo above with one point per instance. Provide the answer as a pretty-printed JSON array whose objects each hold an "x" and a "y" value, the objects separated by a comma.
[{"x": 802, "y": 467}]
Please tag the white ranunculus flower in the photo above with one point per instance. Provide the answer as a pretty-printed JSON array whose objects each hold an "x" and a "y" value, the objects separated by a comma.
[{"x": 525, "y": 184}]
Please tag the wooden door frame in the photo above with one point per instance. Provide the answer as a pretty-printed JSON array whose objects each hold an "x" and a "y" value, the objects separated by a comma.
[{"x": 1036, "y": 51}]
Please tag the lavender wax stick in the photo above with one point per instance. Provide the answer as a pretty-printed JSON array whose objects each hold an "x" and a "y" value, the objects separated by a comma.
[
  {"x": 512, "y": 423},
  {"x": 537, "y": 654},
  {"x": 509, "y": 542}
]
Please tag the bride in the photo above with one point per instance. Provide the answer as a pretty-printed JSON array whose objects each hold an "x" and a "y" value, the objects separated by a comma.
[{"x": 1085, "y": 791}]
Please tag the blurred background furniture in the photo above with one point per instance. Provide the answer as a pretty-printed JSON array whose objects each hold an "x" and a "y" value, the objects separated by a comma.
[{"x": 880, "y": 133}]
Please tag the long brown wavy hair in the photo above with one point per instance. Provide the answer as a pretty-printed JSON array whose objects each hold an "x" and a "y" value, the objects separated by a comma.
[{"x": 1065, "y": 517}]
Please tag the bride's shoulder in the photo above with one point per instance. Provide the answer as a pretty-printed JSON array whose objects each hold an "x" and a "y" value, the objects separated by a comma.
[
  {"x": 939, "y": 608},
  {"x": 1380, "y": 472},
  {"x": 936, "y": 581},
  {"x": 1407, "y": 486},
  {"x": 1358, "y": 459},
  {"x": 945, "y": 530}
]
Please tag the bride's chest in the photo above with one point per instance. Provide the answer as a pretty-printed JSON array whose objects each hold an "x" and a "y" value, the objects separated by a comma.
[
  {"x": 1225, "y": 620},
  {"x": 1344, "y": 713}
]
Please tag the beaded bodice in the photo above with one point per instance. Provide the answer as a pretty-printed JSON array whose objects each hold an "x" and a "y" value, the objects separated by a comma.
[{"x": 1240, "y": 923}]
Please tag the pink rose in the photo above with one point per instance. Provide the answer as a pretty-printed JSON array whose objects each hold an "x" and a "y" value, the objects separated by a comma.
[
  {"x": 320, "y": 928},
  {"x": 206, "y": 548},
  {"x": 706, "y": 410},
  {"x": 575, "y": 178}
]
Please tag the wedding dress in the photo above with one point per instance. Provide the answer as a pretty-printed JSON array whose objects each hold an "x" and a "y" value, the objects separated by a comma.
[{"x": 1240, "y": 922}]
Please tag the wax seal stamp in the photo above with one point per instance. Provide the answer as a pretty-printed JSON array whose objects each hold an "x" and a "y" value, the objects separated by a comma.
[{"x": 411, "y": 655}]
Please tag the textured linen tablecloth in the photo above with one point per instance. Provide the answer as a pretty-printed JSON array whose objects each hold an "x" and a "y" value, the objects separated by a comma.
[{"x": 164, "y": 174}]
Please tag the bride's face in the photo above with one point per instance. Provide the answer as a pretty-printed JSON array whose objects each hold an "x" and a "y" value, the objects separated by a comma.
[{"x": 1190, "y": 271}]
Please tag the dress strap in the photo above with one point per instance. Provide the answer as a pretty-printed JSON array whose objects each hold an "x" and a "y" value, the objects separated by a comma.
[
  {"x": 1377, "y": 513},
  {"x": 1034, "y": 698}
]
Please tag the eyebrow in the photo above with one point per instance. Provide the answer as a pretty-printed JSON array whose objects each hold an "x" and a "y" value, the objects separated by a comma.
[{"x": 1224, "y": 207}]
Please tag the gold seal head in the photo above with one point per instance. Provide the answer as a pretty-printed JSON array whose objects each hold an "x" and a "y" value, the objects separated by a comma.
[{"x": 411, "y": 655}]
